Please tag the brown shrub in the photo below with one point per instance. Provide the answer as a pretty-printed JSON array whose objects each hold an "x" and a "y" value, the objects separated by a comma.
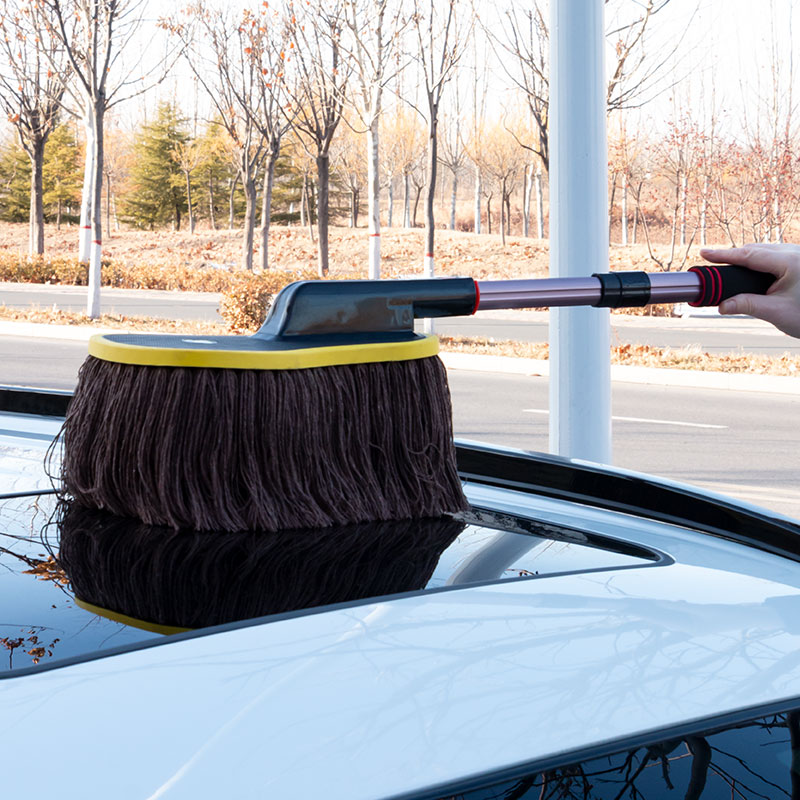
[{"x": 244, "y": 305}]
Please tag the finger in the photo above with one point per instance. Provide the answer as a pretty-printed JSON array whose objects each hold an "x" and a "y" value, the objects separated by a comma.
[
  {"x": 759, "y": 257},
  {"x": 754, "y": 305}
]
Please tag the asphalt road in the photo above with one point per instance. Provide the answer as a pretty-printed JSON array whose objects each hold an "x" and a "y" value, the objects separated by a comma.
[
  {"x": 743, "y": 444},
  {"x": 712, "y": 334}
]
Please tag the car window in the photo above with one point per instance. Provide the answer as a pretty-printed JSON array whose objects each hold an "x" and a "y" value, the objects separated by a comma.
[
  {"x": 75, "y": 582},
  {"x": 750, "y": 760}
]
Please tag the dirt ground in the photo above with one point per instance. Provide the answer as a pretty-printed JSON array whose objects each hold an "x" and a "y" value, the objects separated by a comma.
[{"x": 457, "y": 253}]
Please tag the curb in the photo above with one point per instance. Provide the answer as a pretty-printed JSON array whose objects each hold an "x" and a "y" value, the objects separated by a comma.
[{"x": 654, "y": 376}]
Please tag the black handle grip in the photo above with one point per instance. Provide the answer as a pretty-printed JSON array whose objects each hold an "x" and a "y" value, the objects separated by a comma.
[{"x": 718, "y": 283}]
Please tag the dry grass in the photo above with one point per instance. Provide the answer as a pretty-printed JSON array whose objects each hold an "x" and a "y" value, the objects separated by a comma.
[
  {"x": 640, "y": 355},
  {"x": 291, "y": 248}
]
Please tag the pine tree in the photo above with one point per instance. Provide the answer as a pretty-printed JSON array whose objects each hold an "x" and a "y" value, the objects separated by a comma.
[
  {"x": 216, "y": 173},
  {"x": 61, "y": 173},
  {"x": 156, "y": 191},
  {"x": 15, "y": 182}
]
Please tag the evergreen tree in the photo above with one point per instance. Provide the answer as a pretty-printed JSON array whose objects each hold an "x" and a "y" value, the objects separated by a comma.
[
  {"x": 15, "y": 182},
  {"x": 62, "y": 174},
  {"x": 156, "y": 192},
  {"x": 287, "y": 192},
  {"x": 216, "y": 174}
]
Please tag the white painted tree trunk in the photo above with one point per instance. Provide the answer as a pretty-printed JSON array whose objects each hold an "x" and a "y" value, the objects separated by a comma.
[
  {"x": 453, "y": 202},
  {"x": 539, "y": 205},
  {"x": 406, "y": 200},
  {"x": 526, "y": 200},
  {"x": 477, "y": 199},
  {"x": 374, "y": 199},
  {"x": 624, "y": 208},
  {"x": 96, "y": 230},
  {"x": 85, "y": 240}
]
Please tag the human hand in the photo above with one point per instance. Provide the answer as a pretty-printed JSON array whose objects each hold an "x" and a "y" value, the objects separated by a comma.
[{"x": 781, "y": 304}]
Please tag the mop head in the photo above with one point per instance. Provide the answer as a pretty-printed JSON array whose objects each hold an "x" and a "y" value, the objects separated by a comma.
[
  {"x": 308, "y": 423},
  {"x": 166, "y": 580}
]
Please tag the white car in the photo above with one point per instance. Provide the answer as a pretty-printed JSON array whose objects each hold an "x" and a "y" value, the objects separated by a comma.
[{"x": 582, "y": 632}]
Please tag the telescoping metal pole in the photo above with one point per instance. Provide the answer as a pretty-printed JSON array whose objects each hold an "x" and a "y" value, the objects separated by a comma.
[{"x": 580, "y": 367}]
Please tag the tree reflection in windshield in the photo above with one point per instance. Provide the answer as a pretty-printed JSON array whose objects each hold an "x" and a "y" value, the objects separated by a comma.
[{"x": 755, "y": 760}]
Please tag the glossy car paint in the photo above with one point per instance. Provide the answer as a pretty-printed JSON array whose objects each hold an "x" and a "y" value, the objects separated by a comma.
[
  {"x": 395, "y": 697},
  {"x": 405, "y": 696}
]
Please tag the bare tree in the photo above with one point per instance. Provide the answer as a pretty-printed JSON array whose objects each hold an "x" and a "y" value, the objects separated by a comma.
[
  {"x": 268, "y": 45},
  {"x": 636, "y": 74},
  {"x": 453, "y": 156},
  {"x": 441, "y": 35},
  {"x": 316, "y": 89},
  {"x": 374, "y": 29},
  {"x": 94, "y": 35},
  {"x": 219, "y": 50},
  {"x": 30, "y": 93},
  {"x": 188, "y": 156}
]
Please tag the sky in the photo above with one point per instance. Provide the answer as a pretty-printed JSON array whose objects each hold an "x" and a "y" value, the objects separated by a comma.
[{"x": 726, "y": 50}]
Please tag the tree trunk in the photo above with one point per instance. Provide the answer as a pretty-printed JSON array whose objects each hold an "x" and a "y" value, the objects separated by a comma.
[
  {"x": 108, "y": 203},
  {"x": 374, "y": 199},
  {"x": 323, "y": 180},
  {"x": 36, "y": 236},
  {"x": 503, "y": 212},
  {"x": 624, "y": 209},
  {"x": 453, "y": 202},
  {"x": 489, "y": 213},
  {"x": 303, "y": 201},
  {"x": 611, "y": 203},
  {"x": 407, "y": 200},
  {"x": 266, "y": 204},
  {"x": 390, "y": 204},
  {"x": 85, "y": 240},
  {"x": 352, "y": 220},
  {"x": 249, "y": 186},
  {"x": 95, "y": 257},
  {"x": 430, "y": 229},
  {"x": 58, "y": 215},
  {"x": 309, "y": 217},
  {"x": 189, "y": 201},
  {"x": 231, "y": 210},
  {"x": 211, "y": 215},
  {"x": 477, "y": 209},
  {"x": 416, "y": 205},
  {"x": 684, "y": 206},
  {"x": 526, "y": 200},
  {"x": 539, "y": 205},
  {"x": 704, "y": 213}
]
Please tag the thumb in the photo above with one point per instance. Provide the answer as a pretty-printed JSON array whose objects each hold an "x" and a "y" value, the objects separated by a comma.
[{"x": 754, "y": 305}]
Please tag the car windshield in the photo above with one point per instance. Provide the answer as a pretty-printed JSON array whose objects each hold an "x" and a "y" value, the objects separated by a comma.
[
  {"x": 751, "y": 759},
  {"x": 74, "y": 582}
]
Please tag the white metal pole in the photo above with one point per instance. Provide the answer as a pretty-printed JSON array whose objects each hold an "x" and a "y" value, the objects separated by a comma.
[{"x": 580, "y": 373}]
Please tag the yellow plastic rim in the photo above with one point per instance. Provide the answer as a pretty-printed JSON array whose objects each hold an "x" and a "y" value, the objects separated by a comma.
[
  {"x": 133, "y": 622},
  {"x": 102, "y": 347}
]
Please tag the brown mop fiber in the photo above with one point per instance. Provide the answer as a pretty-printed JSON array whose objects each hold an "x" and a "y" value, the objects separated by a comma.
[
  {"x": 245, "y": 449},
  {"x": 195, "y": 579}
]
